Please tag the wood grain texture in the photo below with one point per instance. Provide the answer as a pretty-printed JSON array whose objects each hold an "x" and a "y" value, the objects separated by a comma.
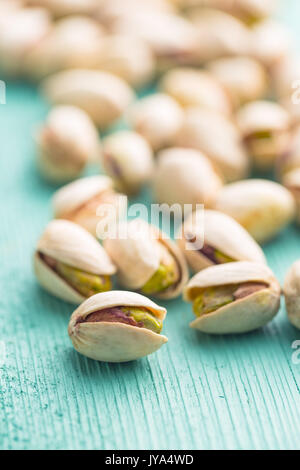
[{"x": 198, "y": 391}]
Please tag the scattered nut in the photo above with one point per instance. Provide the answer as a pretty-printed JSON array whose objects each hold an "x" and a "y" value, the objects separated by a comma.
[
  {"x": 82, "y": 202},
  {"x": 185, "y": 176},
  {"x": 70, "y": 264},
  {"x": 66, "y": 143},
  {"x": 262, "y": 207},
  {"x": 158, "y": 118},
  {"x": 117, "y": 326},
  {"x": 233, "y": 298},
  {"x": 102, "y": 95},
  {"x": 270, "y": 41},
  {"x": 223, "y": 241},
  {"x": 291, "y": 291},
  {"x": 291, "y": 181},
  {"x": 147, "y": 260},
  {"x": 265, "y": 127},
  {"x": 128, "y": 160}
]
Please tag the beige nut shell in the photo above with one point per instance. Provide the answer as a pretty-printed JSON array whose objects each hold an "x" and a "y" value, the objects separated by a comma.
[
  {"x": 243, "y": 315},
  {"x": 68, "y": 243},
  {"x": 112, "y": 341},
  {"x": 221, "y": 232},
  {"x": 291, "y": 291}
]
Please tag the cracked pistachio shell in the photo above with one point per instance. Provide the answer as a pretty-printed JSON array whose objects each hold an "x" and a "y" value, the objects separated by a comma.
[
  {"x": 157, "y": 118},
  {"x": 270, "y": 41},
  {"x": 265, "y": 127},
  {"x": 291, "y": 181},
  {"x": 262, "y": 207},
  {"x": 219, "y": 35},
  {"x": 290, "y": 159},
  {"x": 171, "y": 37},
  {"x": 70, "y": 244},
  {"x": 138, "y": 255},
  {"x": 128, "y": 160},
  {"x": 243, "y": 78},
  {"x": 59, "y": 8},
  {"x": 192, "y": 87},
  {"x": 185, "y": 176},
  {"x": 21, "y": 30},
  {"x": 73, "y": 42},
  {"x": 218, "y": 138},
  {"x": 66, "y": 143},
  {"x": 113, "y": 341},
  {"x": 220, "y": 233},
  {"x": 102, "y": 95},
  {"x": 291, "y": 290},
  {"x": 81, "y": 201},
  {"x": 128, "y": 57},
  {"x": 244, "y": 314}
]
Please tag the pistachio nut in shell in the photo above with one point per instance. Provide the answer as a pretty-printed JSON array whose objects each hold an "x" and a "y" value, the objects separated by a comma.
[
  {"x": 157, "y": 118},
  {"x": 243, "y": 78},
  {"x": 219, "y": 35},
  {"x": 270, "y": 42},
  {"x": 90, "y": 202},
  {"x": 147, "y": 260},
  {"x": 291, "y": 290},
  {"x": 262, "y": 207},
  {"x": 185, "y": 176},
  {"x": 59, "y": 8},
  {"x": 128, "y": 159},
  {"x": 20, "y": 31},
  {"x": 193, "y": 87},
  {"x": 70, "y": 264},
  {"x": 218, "y": 138},
  {"x": 221, "y": 240},
  {"x": 290, "y": 159},
  {"x": 117, "y": 326},
  {"x": 265, "y": 127},
  {"x": 102, "y": 95},
  {"x": 284, "y": 73},
  {"x": 128, "y": 57},
  {"x": 73, "y": 42},
  {"x": 233, "y": 298},
  {"x": 291, "y": 181},
  {"x": 66, "y": 143}
]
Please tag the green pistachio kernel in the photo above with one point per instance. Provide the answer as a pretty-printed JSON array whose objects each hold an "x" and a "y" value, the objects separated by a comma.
[
  {"x": 212, "y": 299},
  {"x": 262, "y": 134},
  {"x": 85, "y": 283},
  {"x": 222, "y": 258},
  {"x": 141, "y": 315},
  {"x": 163, "y": 278}
]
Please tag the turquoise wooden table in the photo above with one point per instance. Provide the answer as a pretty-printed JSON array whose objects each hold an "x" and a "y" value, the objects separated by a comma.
[{"x": 197, "y": 392}]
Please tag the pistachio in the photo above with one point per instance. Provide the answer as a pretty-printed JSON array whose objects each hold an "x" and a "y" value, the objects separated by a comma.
[
  {"x": 185, "y": 176},
  {"x": 270, "y": 41},
  {"x": 59, "y": 8},
  {"x": 70, "y": 264},
  {"x": 192, "y": 87},
  {"x": 219, "y": 35},
  {"x": 72, "y": 42},
  {"x": 224, "y": 241},
  {"x": 265, "y": 127},
  {"x": 291, "y": 181},
  {"x": 66, "y": 143},
  {"x": 157, "y": 118},
  {"x": 218, "y": 138},
  {"x": 128, "y": 160},
  {"x": 262, "y": 207},
  {"x": 291, "y": 291},
  {"x": 243, "y": 78},
  {"x": 128, "y": 57},
  {"x": 81, "y": 201},
  {"x": 102, "y": 95},
  {"x": 290, "y": 159},
  {"x": 21, "y": 30},
  {"x": 117, "y": 326},
  {"x": 283, "y": 73},
  {"x": 148, "y": 260},
  {"x": 233, "y": 298}
]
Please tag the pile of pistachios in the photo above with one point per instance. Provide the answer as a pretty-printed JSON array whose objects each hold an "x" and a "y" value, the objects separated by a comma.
[{"x": 224, "y": 107}]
